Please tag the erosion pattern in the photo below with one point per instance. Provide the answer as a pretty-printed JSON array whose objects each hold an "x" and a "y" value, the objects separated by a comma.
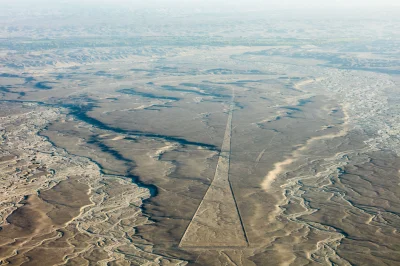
[
  {"x": 59, "y": 209},
  {"x": 352, "y": 222},
  {"x": 122, "y": 144}
]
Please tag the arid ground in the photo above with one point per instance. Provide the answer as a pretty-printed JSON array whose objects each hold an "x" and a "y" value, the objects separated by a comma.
[{"x": 150, "y": 141}]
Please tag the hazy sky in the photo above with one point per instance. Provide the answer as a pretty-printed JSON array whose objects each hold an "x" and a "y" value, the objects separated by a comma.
[{"x": 226, "y": 4}]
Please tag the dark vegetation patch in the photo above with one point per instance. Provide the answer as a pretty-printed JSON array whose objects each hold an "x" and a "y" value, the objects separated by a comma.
[
  {"x": 29, "y": 79},
  {"x": 108, "y": 75},
  {"x": 239, "y": 105},
  {"x": 167, "y": 68},
  {"x": 220, "y": 71},
  {"x": 335, "y": 60},
  {"x": 7, "y": 75},
  {"x": 224, "y": 71},
  {"x": 303, "y": 102},
  {"x": 63, "y": 76},
  {"x": 6, "y": 89},
  {"x": 104, "y": 148},
  {"x": 291, "y": 108},
  {"x": 140, "y": 70},
  {"x": 102, "y": 73},
  {"x": 44, "y": 85}
]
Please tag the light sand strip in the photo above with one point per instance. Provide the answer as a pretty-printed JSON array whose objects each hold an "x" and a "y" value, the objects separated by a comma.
[
  {"x": 217, "y": 223},
  {"x": 280, "y": 167}
]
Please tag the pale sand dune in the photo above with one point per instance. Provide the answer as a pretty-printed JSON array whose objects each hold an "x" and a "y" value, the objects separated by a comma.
[
  {"x": 279, "y": 168},
  {"x": 260, "y": 155},
  {"x": 306, "y": 82},
  {"x": 118, "y": 138},
  {"x": 159, "y": 152}
]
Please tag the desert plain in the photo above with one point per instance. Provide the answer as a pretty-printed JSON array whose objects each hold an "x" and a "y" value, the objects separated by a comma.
[{"x": 137, "y": 139}]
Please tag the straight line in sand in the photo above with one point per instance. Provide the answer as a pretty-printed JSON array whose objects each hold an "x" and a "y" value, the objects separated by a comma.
[{"x": 217, "y": 222}]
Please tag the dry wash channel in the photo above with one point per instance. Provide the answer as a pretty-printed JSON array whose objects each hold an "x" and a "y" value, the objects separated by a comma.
[{"x": 57, "y": 208}]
